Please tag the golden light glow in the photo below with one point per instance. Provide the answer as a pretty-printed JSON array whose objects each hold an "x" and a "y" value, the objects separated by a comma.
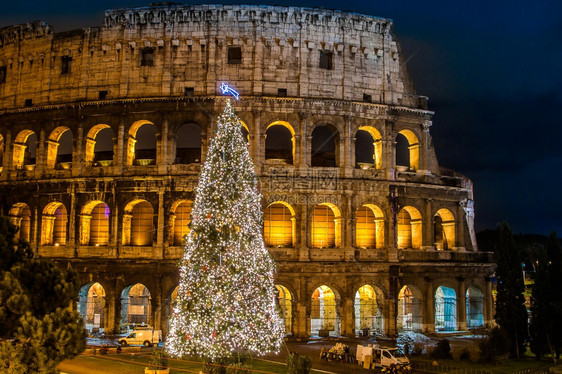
[
  {"x": 179, "y": 221},
  {"x": 369, "y": 227},
  {"x": 323, "y": 313},
  {"x": 132, "y": 140},
  {"x": 285, "y": 304},
  {"x": 288, "y": 126},
  {"x": 53, "y": 145},
  {"x": 444, "y": 230},
  {"x": 326, "y": 226},
  {"x": 366, "y": 308},
  {"x": 53, "y": 224},
  {"x": 409, "y": 228},
  {"x": 89, "y": 154},
  {"x": 138, "y": 225},
  {"x": 279, "y": 225},
  {"x": 377, "y": 145},
  {"x": 136, "y": 305},
  {"x": 414, "y": 149},
  {"x": 20, "y": 216},
  {"x": 20, "y": 146}
]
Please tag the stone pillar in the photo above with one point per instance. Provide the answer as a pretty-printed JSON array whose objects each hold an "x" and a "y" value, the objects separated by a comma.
[
  {"x": 72, "y": 219},
  {"x": 428, "y": 302},
  {"x": 428, "y": 240},
  {"x": 119, "y": 284},
  {"x": 40, "y": 154},
  {"x": 160, "y": 223},
  {"x": 162, "y": 158},
  {"x": 258, "y": 143},
  {"x": 301, "y": 324},
  {"x": 389, "y": 150},
  {"x": 7, "y": 155},
  {"x": 348, "y": 328},
  {"x": 346, "y": 154},
  {"x": 78, "y": 151},
  {"x": 424, "y": 162},
  {"x": 461, "y": 305},
  {"x": 459, "y": 225},
  {"x": 111, "y": 310},
  {"x": 489, "y": 309},
  {"x": 157, "y": 307},
  {"x": 120, "y": 154},
  {"x": 305, "y": 239},
  {"x": 297, "y": 151},
  {"x": 305, "y": 142}
]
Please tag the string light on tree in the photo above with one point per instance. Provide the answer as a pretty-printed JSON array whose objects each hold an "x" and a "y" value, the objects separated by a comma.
[{"x": 226, "y": 298}]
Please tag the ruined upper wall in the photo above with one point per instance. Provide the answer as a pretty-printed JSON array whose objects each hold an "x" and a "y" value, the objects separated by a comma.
[{"x": 280, "y": 47}]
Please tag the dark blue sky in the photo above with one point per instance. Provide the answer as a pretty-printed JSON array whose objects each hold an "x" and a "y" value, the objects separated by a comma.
[{"x": 491, "y": 69}]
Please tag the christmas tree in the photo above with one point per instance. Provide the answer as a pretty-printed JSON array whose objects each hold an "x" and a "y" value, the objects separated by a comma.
[{"x": 226, "y": 297}]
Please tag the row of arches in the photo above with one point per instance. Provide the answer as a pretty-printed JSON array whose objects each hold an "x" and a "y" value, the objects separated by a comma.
[
  {"x": 141, "y": 144},
  {"x": 279, "y": 228},
  {"x": 325, "y": 320}
]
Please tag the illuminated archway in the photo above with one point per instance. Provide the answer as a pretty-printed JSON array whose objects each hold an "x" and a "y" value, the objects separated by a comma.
[
  {"x": 59, "y": 148},
  {"x": 188, "y": 144},
  {"x": 20, "y": 216},
  {"x": 409, "y": 317},
  {"x": 245, "y": 132},
  {"x": 285, "y": 305},
  {"x": 408, "y": 151},
  {"x": 136, "y": 307},
  {"x": 138, "y": 223},
  {"x": 94, "y": 224},
  {"x": 444, "y": 230},
  {"x": 180, "y": 218},
  {"x": 474, "y": 308},
  {"x": 24, "y": 149},
  {"x": 279, "y": 225},
  {"x": 368, "y": 312},
  {"x": 445, "y": 309},
  {"x": 53, "y": 224},
  {"x": 368, "y": 147},
  {"x": 141, "y": 144},
  {"x": 91, "y": 306},
  {"x": 324, "y": 313},
  {"x": 324, "y": 147},
  {"x": 280, "y": 142},
  {"x": 409, "y": 228},
  {"x": 326, "y": 226},
  {"x": 369, "y": 227},
  {"x": 99, "y": 146}
]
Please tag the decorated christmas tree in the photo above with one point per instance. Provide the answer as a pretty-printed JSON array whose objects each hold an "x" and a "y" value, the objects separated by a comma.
[{"x": 226, "y": 298}]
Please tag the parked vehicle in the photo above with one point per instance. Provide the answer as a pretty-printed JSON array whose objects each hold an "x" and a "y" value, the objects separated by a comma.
[
  {"x": 390, "y": 360},
  {"x": 142, "y": 337}
]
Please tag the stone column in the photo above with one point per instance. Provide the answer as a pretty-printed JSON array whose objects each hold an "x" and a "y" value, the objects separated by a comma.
[
  {"x": 160, "y": 223},
  {"x": 111, "y": 310},
  {"x": 157, "y": 307},
  {"x": 120, "y": 153},
  {"x": 461, "y": 305},
  {"x": 78, "y": 151},
  {"x": 258, "y": 143},
  {"x": 72, "y": 218},
  {"x": 424, "y": 157},
  {"x": 40, "y": 154},
  {"x": 162, "y": 159},
  {"x": 459, "y": 225},
  {"x": 389, "y": 150},
  {"x": 428, "y": 240},
  {"x": 7, "y": 157},
  {"x": 489, "y": 309},
  {"x": 301, "y": 324},
  {"x": 428, "y": 317},
  {"x": 305, "y": 142}
]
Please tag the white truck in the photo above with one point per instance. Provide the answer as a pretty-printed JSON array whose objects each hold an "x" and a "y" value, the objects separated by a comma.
[
  {"x": 142, "y": 337},
  {"x": 389, "y": 360}
]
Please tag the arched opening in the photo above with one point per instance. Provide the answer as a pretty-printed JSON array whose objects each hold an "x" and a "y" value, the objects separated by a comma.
[
  {"x": 368, "y": 148},
  {"x": 409, "y": 309},
  {"x": 20, "y": 216},
  {"x": 179, "y": 221},
  {"x": 324, "y": 314},
  {"x": 99, "y": 146},
  {"x": 280, "y": 143},
  {"x": 91, "y": 306},
  {"x": 326, "y": 226},
  {"x": 136, "y": 307},
  {"x": 59, "y": 148},
  {"x": 188, "y": 144},
  {"x": 25, "y": 150},
  {"x": 285, "y": 305},
  {"x": 245, "y": 132},
  {"x": 409, "y": 228},
  {"x": 368, "y": 313},
  {"x": 138, "y": 225},
  {"x": 279, "y": 225},
  {"x": 369, "y": 227},
  {"x": 324, "y": 147},
  {"x": 53, "y": 224},
  {"x": 407, "y": 150},
  {"x": 94, "y": 224},
  {"x": 445, "y": 309},
  {"x": 444, "y": 230},
  {"x": 474, "y": 308},
  {"x": 141, "y": 145},
  {"x": 171, "y": 300}
]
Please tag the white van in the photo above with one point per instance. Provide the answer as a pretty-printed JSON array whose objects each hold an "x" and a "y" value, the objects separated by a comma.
[{"x": 142, "y": 337}]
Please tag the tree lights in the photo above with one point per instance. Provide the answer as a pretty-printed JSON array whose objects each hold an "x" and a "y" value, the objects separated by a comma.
[{"x": 226, "y": 298}]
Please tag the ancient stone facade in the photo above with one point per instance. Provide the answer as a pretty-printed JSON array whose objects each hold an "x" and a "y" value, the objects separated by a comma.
[{"x": 103, "y": 131}]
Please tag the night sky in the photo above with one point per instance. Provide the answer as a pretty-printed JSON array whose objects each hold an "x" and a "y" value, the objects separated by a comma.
[{"x": 491, "y": 69}]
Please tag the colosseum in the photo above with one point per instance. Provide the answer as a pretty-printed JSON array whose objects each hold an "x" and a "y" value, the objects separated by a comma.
[{"x": 103, "y": 131}]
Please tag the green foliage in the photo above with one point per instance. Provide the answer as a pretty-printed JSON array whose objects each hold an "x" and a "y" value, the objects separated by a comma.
[
  {"x": 35, "y": 316},
  {"x": 159, "y": 359},
  {"x": 442, "y": 350},
  {"x": 511, "y": 313},
  {"x": 297, "y": 364},
  {"x": 495, "y": 346}
]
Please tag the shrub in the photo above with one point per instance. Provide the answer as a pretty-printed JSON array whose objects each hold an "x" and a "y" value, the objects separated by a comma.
[
  {"x": 297, "y": 364},
  {"x": 495, "y": 347},
  {"x": 159, "y": 359},
  {"x": 442, "y": 350}
]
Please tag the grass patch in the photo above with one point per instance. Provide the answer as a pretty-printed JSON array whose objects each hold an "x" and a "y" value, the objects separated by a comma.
[{"x": 505, "y": 367}]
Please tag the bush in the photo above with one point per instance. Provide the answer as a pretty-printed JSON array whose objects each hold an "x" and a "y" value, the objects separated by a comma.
[
  {"x": 297, "y": 364},
  {"x": 442, "y": 350},
  {"x": 159, "y": 359},
  {"x": 495, "y": 347}
]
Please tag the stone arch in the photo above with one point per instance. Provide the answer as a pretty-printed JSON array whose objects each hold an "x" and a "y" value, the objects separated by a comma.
[
  {"x": 59, "y": 148},
  {"x": 284, "y": 302},
  {"x": 245, "y": 131},
  {"x": 326, "y": 226},
  {"x": 94, "y": 223},
  {"x": 136, "y": 307},
  {"x": 368, "y": 311},
  {"x": 54, "y": 224},
  {"x": 474, "y": 308},
  {"x": 143, "y": 153},
  {"x": 369, "y": 227},
  {"x": 368, "y": 148},
  {"x": 91, "y": 306},
  {"x": 324, "y": 312},
  {"x": 280, "y": 142},
  {"x": 324, "y": 146},
  {"x": 20, "y": 216},
  {"x": 188, "y": 144},
  {"x": 172, "y": 296},
  {"x": 24, "y": 149},
  {"x": 445, "y": 309},
  {"x": 409, "y": 313},
  {"x": 444, "y": 229},
  {"x": 279, "y": 225},
  {"x": 138, "y": 225},
  {"x": 411, "y": 154},
  {"x": 180, "y": 217},
  {"x": 99, "y": 146},
  {"x": 409, "y": 228}
]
